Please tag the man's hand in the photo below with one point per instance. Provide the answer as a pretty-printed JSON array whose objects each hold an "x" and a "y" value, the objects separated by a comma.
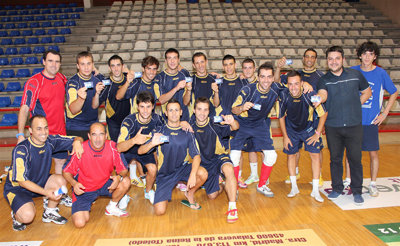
[
  {"x": 217, "y": 75},
  {"x": 313, "y": 139},
  {"x": 140, "y": 138},
  {"x": 186, "y": 126},
  {"x": 115, "y": 183},
  {"x": 50, "y": 194},
  {"x": 241, "y": 76},
  {"x": 214, "y": 87},
  {"x": 77, "y": 148},
  {"x": 181, "y": 84},
  {"x": 99, "y": 87},
  {"x": 156, "y": 139},
  {"x": 96, "y": 72},
  {"x": 281, "y": 62},
  {"x": 130, "y": 76},
  {"x": 191, "y": 181},
  {"x": 188, "y": 86},
  {"x": 286, "y": 143},
  {"x": 247, "y": 105},
  {"x": 378, "y": 120},
  {"x": 82, "y": 93},
  {"x": 228, "y": 119},
  {"x": 79, "y": 189},
  {"x": 307, "y": 87}
]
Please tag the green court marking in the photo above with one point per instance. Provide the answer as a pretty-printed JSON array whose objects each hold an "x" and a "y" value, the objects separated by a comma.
[{"x": 388, "y": 233}]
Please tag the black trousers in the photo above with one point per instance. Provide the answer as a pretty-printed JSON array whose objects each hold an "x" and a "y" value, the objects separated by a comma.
[{"x": 339, "y": 139}]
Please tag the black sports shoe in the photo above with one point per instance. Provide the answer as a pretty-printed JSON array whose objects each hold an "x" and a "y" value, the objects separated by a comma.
[
  {"x": 17, "y": 226},
  {"x": 51, "y": 215}
]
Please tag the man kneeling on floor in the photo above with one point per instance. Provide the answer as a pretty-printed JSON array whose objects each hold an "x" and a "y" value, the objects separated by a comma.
[{"x": 93, "y": 171}]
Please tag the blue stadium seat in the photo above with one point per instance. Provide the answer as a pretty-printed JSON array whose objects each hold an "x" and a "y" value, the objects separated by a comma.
[
  {"x": 70, "y": 23},
  {"x": 3, "y": 12},
  {"x": 9, "y": 120},
  {"x": 37, "y": 70},
  {"x": 59, "y": 39},
  {"x": 57, "y": 11},
  {"x": 7, "y": 73},
  {"x": 1, "y": 51},
  {"x": 72, "y": 5},
  {"x": 40, "y": 6},
  {"x": 22, "y": 25},
  {"x": 11, "y": 51},
  {"x": 27, "y": 32},
  {"x": 5, "y": 102},
  {"x": 8, "y": 7},
  {"x": 65, "y": 31},
  {"x": 68, "y": 10},
  {"x": 79, "y": 10},
  {"x": 9, "y": 26},
  {"x": 35, "y": 12},
  {"x": 62, "y": 5},
  {"x": 17, "y": 102},
  {"x": 3, "y": 34},
  {"x": 17, "y": 18},
  {"x": 54, "y": 47},
  {"x": 58, "y": 23},
  {"x": 6, "y": 41},
  {"x": 1, "y": 86},
  {"x": 40, "y": 32},
  {"x": 53, "y": 32},
  {"x": 46, "y": 24},
  {"x": 3, "y": 61},
  {"x": 6, "y": 19},
  {"x": 63, "y": 17},
  {"x": 16, "y": 61},
  {"x": 33, "y": 40},
  {"x": 45, "y": 11},
  {"x": 1, "y": 25},
  {"x": 12, "y": 12},
  {"x": 34, "y": 25},
  {"x": 19, "y": 7},
  {"x": 31, "y": 60},
  {"x": 25, "y": 50},
  {"x": 52, "y": 17},
  {"x": 18, "y": 41},
  {"x": 30, "y": 6},
  {"x": 13, "y": 86},
  {"x": 75, "y": 16},
  {"x": 24, "y": 12},
  {"x": 52, "y": 5},
  {"x": 22, "y": 72},
  {"x": 15, "y": 33},
  {"x": 39, "y": 50},
  {"x": 29, "y": 18},
  {"x": 46, "y": 40},
  {"x": 40, "y": 18}
]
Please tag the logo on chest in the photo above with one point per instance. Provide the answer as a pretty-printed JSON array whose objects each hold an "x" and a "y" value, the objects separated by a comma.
[
  {"x": 98, "y": 156},
  {"x": 42, "y": 151},
  {"x": 174, "y": 133}
]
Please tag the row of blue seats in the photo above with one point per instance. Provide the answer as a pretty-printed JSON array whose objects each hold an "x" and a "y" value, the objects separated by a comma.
[
  {"x": 19, "y": 61},
  {"x": 9, "y": 120},
  {"x": 11, "y": 86},
  {"x": 21, "y": 73},
  {"x": 40, "y": 17},
  {"x": 41, "y": 11},
  {"x": 35, "y": 40},
  {"x": 39, "y": 6},
  {"x": 38, "y": 32},
  {"x": 23, "y": 25},
  {"x": 28, "y": 50},
  {"x": 6, "y": 102}
]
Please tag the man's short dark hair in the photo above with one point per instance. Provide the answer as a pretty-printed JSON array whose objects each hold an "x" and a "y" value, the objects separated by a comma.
[
  {"x": 115, "y": 57},
  {"x": 145, "y": 96},
  {"x": 310, "y": 49},
  {"x": 83, "y": 54},
  {"x": 198, "y": 54},
  {"x": 293, "y": 73},
  {"x": 172, "y": 100},
  {"x": 368, "y": 47},
  {"x": 228, "y": 57},
  {"x": 54, "y": 52},
  {"x": 38, "y": 116},
  {"x": 248, "y": 60},
  {"x": 266, "y": 66},
  {"x": 150, "y": 60},
  {"x": 335, "y": 49},
  {"x": 202, "y": 100},
  {"x": 171, "y": 50}
]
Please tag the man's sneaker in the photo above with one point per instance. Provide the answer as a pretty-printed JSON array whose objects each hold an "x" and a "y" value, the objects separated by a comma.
[
  {"x": 293, "y": 193},
  {"x": 114, "y": 210},
  {"x": 149, "y": 196},
  {"x": 17, "y": 226},
  {"x": 138, "y": 182},
  {"x": 181, "y": 186},
  {"x": 265, "y": 191},
  {"x": 143, "y": 178},
  {"x": 232, "y": 215},
  {"x": 287, "y": 180},
  {"x": 346, "y": 184},
  {"x": 373, "y": 191},
  {"x": 241, "y": 183},
  {"x": 317, "y": 196},
  {"x": 45, "y": 202},
  {"x": 358, "y": 199},
  {"x": 52, "y": 215},
  {"x": 123, "y": 203},
  {"x": 66, "y": 201},
  {"x": 321, "y": 181},
  {"x": 333, "y": 195},
  {"x": 251, "y": 179}
]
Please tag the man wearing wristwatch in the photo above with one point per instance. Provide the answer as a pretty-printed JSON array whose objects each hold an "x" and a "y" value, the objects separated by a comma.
[{"x": 94, "y": 172}]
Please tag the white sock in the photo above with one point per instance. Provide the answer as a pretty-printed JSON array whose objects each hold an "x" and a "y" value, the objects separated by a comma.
[
  {"x": 240, "y": 173},
  {"x": 297, "y": 170},
  {"x": 113, "y": 204},
  {"x": 315, "y": 184},
  {"x": 372, "y": 183},
  {"x": 293, "y": 181},
  {"x": 254, "y": 169},
  {"x": 132, "y": 171},
  {"x": 232, "y": 205},
  {"x": 348, "y": 180}
]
